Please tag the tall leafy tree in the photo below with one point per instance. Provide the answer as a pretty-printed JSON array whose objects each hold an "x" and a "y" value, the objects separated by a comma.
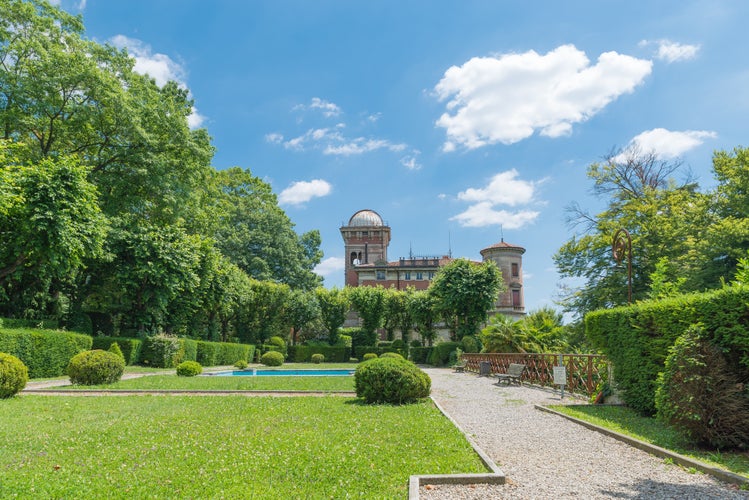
[
  {"x": 465, "y": 292},
  {"x": 369, "y": 304},
  {"x": 334, "y": 304},
  {"x": 256, "y": 234},
  {"x": 302, "y": 309},
  {"x": 423, "y": 311}
]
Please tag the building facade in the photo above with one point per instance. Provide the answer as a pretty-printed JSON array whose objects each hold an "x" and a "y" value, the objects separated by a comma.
[{"x": 366, "y": 238}]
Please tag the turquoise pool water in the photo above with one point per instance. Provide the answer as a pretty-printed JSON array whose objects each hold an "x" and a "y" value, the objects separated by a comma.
[{"x": 263, "y": 372}]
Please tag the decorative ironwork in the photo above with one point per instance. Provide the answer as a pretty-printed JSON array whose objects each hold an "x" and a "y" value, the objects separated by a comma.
[
  {"x": 621, "y": 248},
  {"x": 584, "y": 371}
]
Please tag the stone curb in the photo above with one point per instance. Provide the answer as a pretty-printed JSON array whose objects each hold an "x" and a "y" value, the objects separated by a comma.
[
  {"x": 180, "y": 392},
  {"x": 682, "y": 460},
  {"x": 496, "y": 476}
]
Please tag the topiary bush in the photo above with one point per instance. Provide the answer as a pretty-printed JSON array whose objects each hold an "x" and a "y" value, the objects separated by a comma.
[
  {"x": 394, "y": 355},
  {"x": 369, "y": 355},
  {"x": 95, "y": 367},
  {"x": 698, "y": 394},
  {"x": 189, "y": 369},
  {"x": 115, "y": 349},
  {"x": 13, "y": 375},
  {"x": 391, "y": 380},
  {"x": 272, "y": 358},
  {"x": 241, "y": 364},
  {"x": 317, "y": 358}
]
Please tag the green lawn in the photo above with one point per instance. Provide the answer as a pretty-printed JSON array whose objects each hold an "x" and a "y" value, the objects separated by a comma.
[
  {"x": 222, "y": 447},
  {"x": 626, "y": 421},
  {"x": 200, "y": 383}
]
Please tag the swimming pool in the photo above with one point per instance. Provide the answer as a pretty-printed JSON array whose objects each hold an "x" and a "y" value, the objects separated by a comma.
[{"x": 306, "y": 372}]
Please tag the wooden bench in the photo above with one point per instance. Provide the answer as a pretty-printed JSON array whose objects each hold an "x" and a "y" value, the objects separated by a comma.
[
  {"x": 514, "y": 372},
  {"x": 460, "y": 367}
]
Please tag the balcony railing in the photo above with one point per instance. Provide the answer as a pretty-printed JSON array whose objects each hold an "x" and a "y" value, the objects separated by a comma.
[{"x": 584, "y": 371}]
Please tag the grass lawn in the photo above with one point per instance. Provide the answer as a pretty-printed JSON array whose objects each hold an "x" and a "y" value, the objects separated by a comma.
[
  {"x": 279, "y": 383},
  {"x": 222, "y": 447},
  {"x": 626, "y": 421}
]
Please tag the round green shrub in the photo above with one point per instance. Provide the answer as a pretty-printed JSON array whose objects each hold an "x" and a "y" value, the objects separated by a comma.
[
  {"x": 318, "y": 358},
  {"x": 277, "y": 341},
  {"x": 391, "y": 355},
  {"x": 241, "y": 364},
  {"x": 189, "y": 369},
  {"x": 272, "y": 358},
  {"x": 95, "y": 367},
  {"x": 370, "y": 355},
  {"x": 698, "y": 394},
  {"x": 391, "y": 380},
  {"x": 13, "y": 375}
]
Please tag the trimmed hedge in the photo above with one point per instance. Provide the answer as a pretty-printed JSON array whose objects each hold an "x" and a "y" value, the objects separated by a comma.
[
  {"x": 95, "y": 367},
  {"x": 332, "y": 353},
  {"x": 46, "y": 353},
  {"x": 272, "y": 358},
  {"x": 43, "y": 324},
  {"x": 189, "y": 369},
  {"x": 637, "y": 338},
  {"x": 13, "y": 375},
  {"x": 130, "y": 347},
  {"x": 360, "y": 351},
  {"x": 223, "y": 353},
  {"x": 440, "y": 354},
  {"x": 420, "y": 355}
]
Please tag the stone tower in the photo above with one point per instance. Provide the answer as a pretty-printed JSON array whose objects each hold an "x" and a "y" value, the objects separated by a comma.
[
  {"x": 509, "y": 260},
  {"x": 366, "y": 238}
]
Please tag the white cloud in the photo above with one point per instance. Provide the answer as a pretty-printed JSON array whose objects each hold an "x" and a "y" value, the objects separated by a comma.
[
  {"x": 504, "y": 188},
  {"x": 303, "y": 191},
  {"x": 195, "y": 119},
  {"x": 483, "y": 214},
  {"x": 274, "y": 138},
  {"x": 330, "y": 265},
  {"x": 668, "y": 144},
  {"x": 672, "y": 51},
  {"x": 328, "y": 109},
  {"x": 362, "y": 145},
  {"x": 505, "y": 99},
  {"x": 411, "y": 162}
]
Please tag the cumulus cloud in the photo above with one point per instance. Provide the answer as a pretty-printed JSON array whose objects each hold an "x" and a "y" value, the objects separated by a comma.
[
  {"x": 303, "y": 191},
  {"x": 672, "y": 51},
  {"x": 330, "y": 266},
  {"x": 505, "y": 99},
  {"x": 160, "y": 67},
  {"x": 667, "y": 143},
  {"x": 503, "y": 189}
]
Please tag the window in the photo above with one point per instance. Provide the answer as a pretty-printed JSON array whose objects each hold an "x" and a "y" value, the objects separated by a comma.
[
  {"x": 408, "y": 275},
  {"x": 515, "y": 270},
  {"x": 380, "y": 275},
  {"x": 430, "y": 275},
  {"x": 516, "y": 298},
  {"x": 419, "y": 276}
]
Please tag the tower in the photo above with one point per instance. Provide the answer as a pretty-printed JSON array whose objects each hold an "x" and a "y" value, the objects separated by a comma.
[
  {"x": 509, "y": 260},
  {"x": 366, "y": 239}
]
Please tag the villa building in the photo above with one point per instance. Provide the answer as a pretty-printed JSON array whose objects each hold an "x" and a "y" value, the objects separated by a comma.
[{"x": 366, "y": 239}]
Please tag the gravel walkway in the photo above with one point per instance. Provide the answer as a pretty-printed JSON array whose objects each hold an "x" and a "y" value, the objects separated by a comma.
[{"x": 546, "y": 456}]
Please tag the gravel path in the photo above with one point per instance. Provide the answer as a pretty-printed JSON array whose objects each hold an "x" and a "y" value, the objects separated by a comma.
[{"x": 546, "y": 456}]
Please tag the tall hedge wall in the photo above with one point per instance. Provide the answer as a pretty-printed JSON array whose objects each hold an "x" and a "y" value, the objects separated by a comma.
[
  {"x": 130, "y": 347},
  {"x": 223, "y": 353},
  {"x": 637, "y": 338},
  {"x": 45, "y": 353},
  {"x": 333, "y": 353},
  {"x": 440, "y": 353}
]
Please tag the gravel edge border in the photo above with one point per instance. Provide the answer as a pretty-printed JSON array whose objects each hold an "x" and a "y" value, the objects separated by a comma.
[
  {"x": 682, "y": 460},
  {"x": 496, "y": 476}
]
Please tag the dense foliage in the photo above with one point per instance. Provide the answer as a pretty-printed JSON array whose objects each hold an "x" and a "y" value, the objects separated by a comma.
[
  {"x": 637, "y": 338},
  {"x": 13, "y": 375},
  {"x": 701, "y": 396},
  {"x": 113, "y": 219},
  {"x": 272, "y": 358},
  {"x": 391, "y": 380},
  {"x": 683, "y": 240},
  {"x": 95, "y": 367}
]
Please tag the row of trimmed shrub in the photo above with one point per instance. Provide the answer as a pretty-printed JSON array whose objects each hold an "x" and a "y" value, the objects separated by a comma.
[
  {"x": 46, "y": 353},
  {"x": 304, "y": 353},
  {"x": 637, "y": 338},
  {"x": 162, "y": 351},
  {"x": 360, "y": 351}
]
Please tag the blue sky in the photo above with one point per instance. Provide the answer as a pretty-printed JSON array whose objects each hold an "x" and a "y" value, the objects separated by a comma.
[{"x": 456, "y": 121}]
